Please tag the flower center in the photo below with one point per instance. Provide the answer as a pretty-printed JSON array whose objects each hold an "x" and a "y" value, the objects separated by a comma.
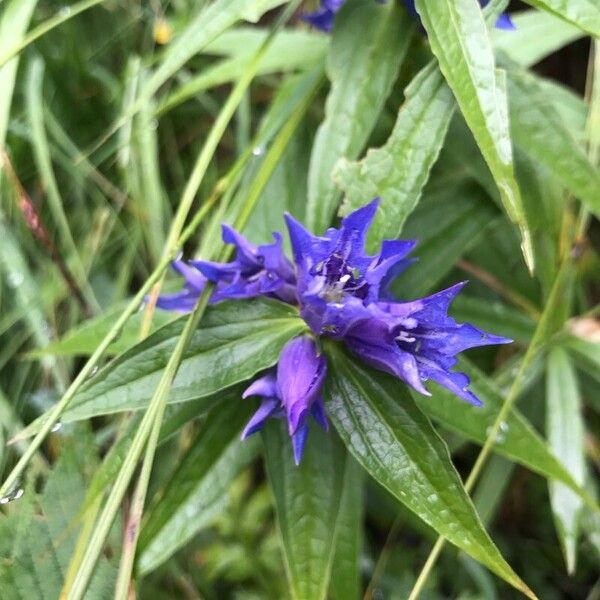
[{"x": 340, "y": 279}]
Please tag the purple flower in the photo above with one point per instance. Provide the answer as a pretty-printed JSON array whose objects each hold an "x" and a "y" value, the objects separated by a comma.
[
  {"x": 255, "y": 271},
  {"x": 336, "y": 279},
  {"x": 342, "y": 294},
  {"x": 324, "y": 17},
  {"x": 292, "y": 391},
  {"x": 185, "y": 300}
]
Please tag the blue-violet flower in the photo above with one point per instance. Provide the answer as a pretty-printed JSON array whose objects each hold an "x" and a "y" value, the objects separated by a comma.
[
  {"x": 255, "y": 271},
  {"x": 292, "y": 391},
  {"x": 342, "y": 293},
  {"x": 324, "y": 17}
]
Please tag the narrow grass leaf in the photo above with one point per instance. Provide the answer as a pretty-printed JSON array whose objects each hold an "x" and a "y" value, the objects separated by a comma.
[{"x": 566, "y": 433}]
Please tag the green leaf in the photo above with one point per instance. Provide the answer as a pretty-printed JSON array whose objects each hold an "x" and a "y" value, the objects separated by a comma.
[
  {"x": 361, "y": 77},
  {"x": 518, "y": 440},
  {"x": 459, "y": 39},
  {"x": 346, "y": 572},
  {"x": 397, "y": 446},
  {"x": 307, "y": 502},
  {"x": 585, "y": 14},
  {"x": 83, "y": 339},
  {"x": 290, "y": 50},
  {"x": 197, "y": 490},
  {"x": 537, "y": 35},
  {"x": 585, "y": 352},
  {"x": 397, "y": 171},
  {"x": 451, "y": 219},
  {"x": 492, "y": 315},
  {"x": 38, "y": 536},
  {"x": 234, "y": 342},
  {"x": 16, "y": 15},
  {"x": 539, "y": 130},
  {"x": 565, "y": 431}
]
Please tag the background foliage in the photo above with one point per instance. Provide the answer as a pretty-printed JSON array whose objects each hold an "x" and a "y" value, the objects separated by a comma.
[{"x": 128, "y": 132}]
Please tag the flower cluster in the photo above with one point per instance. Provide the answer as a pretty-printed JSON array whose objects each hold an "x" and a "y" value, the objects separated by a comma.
[
  {"x": 324, "y": 17},
  {"x": 342, "y": 293}
]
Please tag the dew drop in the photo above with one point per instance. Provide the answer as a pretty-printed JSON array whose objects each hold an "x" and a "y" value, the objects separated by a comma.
[
  {"x": 432, "y": 498},
  {"x": 56, "y": 426},
  {"x": 15, "y": 279},
  {"x": 258, "y": 151},
  {"x": 14, "y": 494},
  {"x": 501, "y": 435},
  {"x": 153, "y": 124},
  {"x": 64, "y": 12}
]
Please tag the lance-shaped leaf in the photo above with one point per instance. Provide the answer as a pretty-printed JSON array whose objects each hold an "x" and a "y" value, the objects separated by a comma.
[
  {"x": 197, "y": 491},
  {"x": 585, "y": 14},
  {"x": 397, "y": 171},
  {"x": 396, "y": 444},
  {"x": 460, "y": 40},
  {"x": 536, "y": 36},
  {"x": 517, "y": 440},
  {"x": 307, "y": 502},
  {"x": 538, "y": 129},
  {"x": 234, "y": 341},
  {"x": 345, "y": 572},
  {"x": 565, "y": 431},
  {"x": 361, "y": 77}
]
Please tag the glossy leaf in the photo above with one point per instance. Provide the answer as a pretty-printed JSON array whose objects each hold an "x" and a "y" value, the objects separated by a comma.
[
  {"x": 540, "y": 132},
  {"x": 395, "y": 443},
  {"x": 307, "y": 502},
  {"x": 459, "y": 39},
  {"x": 397, "y": 171},
  {"x": 517, "y": 440},
  {"x": 234, "y": 342},
  {"x": 346, "y": 569},
  {"x": 197, "y": 490},
  {"x": 361, "y": 79},
  {"x": 565, "y": 431},
  {"x": 585, "y": 352},
  {"x": 290, "y": 51}
]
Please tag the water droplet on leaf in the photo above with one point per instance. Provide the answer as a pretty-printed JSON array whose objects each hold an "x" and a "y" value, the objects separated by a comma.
[{"x": 14, "y": 494}]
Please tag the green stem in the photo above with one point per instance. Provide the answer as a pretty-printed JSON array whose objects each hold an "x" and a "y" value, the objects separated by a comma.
[{"x": 153, "y": 415}]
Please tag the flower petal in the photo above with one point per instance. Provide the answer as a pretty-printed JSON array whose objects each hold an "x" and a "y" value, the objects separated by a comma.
[
  {"x": 267, "y": 407},
  {"x": 265, "y": 386},
  {"x": 300, "y": 374}
]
